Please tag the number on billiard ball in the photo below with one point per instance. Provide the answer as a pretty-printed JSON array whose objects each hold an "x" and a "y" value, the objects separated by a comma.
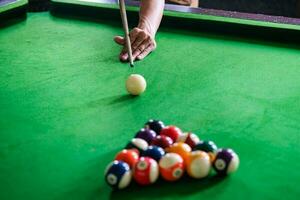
[
  {"x": 226, "y": 161},
  {"x": 118, "y": 174}
]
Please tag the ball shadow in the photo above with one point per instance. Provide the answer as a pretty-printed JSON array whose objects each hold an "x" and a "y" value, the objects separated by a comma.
[
  {"x": 161, "y": 188},
  {"x": 112, "y": 100}
]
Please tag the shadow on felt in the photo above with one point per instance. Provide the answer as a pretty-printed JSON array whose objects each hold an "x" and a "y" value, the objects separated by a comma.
[
  {"x": 161, "y": 188},
  {"x": 112, "y": 100}
]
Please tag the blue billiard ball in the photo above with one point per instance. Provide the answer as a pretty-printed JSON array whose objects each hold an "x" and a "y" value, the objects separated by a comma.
[
  {"x": 146, "y": 134},
  {"x": 226, "y": 161},
  {"x": 155, "y": 125},
  {"x": 118, "y": 174},
  {"x": 154, "y": 152}
]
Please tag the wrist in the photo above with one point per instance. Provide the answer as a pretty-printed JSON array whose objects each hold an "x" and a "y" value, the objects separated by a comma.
[{"x": 146, "y": 26}]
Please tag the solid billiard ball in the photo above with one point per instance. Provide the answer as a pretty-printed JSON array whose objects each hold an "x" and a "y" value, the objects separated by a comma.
[
  {"x": 136, "y": 84},
  {"x": 209, "y": 147},
  {"x": 171, "y": 131},
  {"x": 129, "y": 156},
  {"x": 189, "y": 138},
  {"x": 171, "y": 167},
  {"x": 181, "y": 149},
  {"x": 138, "y": 144},
  {"x": 155, "y": 125},
  {"x": 226, "y": 162},
  {"x": 162, "y": 141},
  {"x": 146, "y": 171},
  {"x": 118, "y": 174},
  {"x": 146, "y": 134},
  {"x": 154, "y": 152},
  {"x": 198, "y": 164}
]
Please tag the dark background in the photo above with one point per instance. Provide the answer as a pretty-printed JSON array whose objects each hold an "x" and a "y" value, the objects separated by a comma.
[{"x": 271, "y": 7}]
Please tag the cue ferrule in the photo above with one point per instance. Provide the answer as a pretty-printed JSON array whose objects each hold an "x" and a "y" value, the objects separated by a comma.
[{"x": 126, "y": 30}]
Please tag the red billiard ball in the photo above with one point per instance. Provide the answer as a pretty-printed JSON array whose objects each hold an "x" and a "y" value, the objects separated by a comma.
[
  {"x": 189, "y": 138},
  {"x": 198, "y": 164},
  {"x": 146, "y": 171},
  {"x": 171, "y": 131},
  {"x": 171, "y": 167},
  {"x": 129, "y": 156},
  {"x": 181, "y": 149},
  {"x": 162, "y": 141}
]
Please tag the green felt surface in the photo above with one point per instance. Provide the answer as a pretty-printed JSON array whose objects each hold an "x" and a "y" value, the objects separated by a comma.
[{"x": 64, "y": 112}]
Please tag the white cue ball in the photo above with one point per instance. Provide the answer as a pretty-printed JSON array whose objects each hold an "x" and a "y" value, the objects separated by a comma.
[{"x": 136, "y": 84}]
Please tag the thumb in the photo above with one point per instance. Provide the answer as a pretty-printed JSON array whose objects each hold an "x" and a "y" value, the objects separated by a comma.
[{"x": 119, "y": 40}]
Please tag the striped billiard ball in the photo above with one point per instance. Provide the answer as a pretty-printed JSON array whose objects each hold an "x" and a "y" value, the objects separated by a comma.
[
  {"x": 226, "y": 162},
  {"x": 146, "y": 171},
  {"x": 198, "y": 164},
  {"x": 118, "y": 174},
  {"x": 189, "y": 138},
  {"x": 171, "y": 167}
]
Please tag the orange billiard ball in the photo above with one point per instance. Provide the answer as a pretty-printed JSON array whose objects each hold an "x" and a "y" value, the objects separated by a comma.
[
  {"x": 130, "y": 156},
  {"x": 181, "y": 149},
  {"x": 171, "y": 167}
]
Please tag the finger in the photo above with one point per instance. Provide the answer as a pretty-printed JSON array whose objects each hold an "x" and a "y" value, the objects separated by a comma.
[
  {"x": 133, "y": 35},
  {"x": 141, "y": 48},
  {"x": 147, "y": 50},
  {"x": 139, "y": 40},
  {"x": 119, "y": 40}
]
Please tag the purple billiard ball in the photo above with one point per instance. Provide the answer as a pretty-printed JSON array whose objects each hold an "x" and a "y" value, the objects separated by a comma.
[
  {"x": 146, "y": 134},
  {"x": 226, "y": 161}
]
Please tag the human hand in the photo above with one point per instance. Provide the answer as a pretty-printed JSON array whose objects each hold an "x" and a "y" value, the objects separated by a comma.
[{"x": 142, "y": 43}]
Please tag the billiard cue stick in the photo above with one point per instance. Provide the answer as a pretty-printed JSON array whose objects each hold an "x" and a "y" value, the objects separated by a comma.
[{"x": 126, "y": 30}]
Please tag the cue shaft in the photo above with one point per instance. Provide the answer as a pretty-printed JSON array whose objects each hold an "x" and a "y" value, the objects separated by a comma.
[{"x": 126, "y": 30}]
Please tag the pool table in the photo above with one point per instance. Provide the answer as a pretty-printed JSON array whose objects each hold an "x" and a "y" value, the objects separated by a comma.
[{"x": 65, "y": 113}]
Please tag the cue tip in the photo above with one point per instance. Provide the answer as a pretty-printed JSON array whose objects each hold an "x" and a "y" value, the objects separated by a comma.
[{"x": 131, "y": 64}]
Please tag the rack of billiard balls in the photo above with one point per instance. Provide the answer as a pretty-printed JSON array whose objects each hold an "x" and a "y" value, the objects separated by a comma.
[{"x": 159, "y": 150}]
